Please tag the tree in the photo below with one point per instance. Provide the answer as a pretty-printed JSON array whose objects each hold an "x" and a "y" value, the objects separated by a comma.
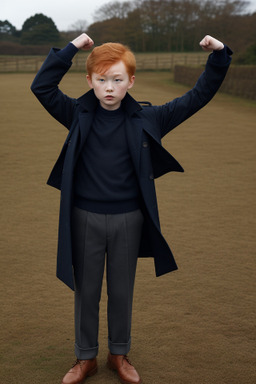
[
  {"x": 6, "y": 28},
  {"x": 135, "y": 37},
  {"x": 39, "y": 29},
  {"x": 111, "y": 22},
  {"x": 107, "y": 30},
  {"x": 113, "y": 9},
  {"x": 79, "y": 26}
]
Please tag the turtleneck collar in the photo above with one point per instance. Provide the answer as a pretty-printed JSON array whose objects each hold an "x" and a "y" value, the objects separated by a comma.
[{"x": 89, "y": 102}]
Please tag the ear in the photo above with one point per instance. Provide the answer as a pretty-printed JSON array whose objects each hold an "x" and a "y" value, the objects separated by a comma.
[
  {"x": 89, "y": 81},
  {"x": 131, "y": 83}
]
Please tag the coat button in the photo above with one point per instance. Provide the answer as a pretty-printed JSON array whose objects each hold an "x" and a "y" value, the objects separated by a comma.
[
  {"x": 145, "y": 144},
  {"x": 151, "y": 176}
]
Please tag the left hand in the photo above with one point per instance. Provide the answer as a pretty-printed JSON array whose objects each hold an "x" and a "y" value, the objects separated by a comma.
[{"x": 209, "y": 43}]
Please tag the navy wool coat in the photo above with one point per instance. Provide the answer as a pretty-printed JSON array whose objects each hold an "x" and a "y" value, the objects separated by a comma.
[{"x": 145, "y": 126}]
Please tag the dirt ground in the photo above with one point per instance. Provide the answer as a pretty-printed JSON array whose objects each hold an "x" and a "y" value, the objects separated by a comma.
[{"x": 192, "y": 326}]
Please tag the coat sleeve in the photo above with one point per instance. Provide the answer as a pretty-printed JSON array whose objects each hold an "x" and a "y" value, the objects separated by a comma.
[
  {"x": 171, "y": 114},
  {"x": 46, "y": 88}
]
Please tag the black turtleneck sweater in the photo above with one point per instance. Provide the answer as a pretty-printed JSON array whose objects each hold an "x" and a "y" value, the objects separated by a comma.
[{"x": 105, "y": 180}]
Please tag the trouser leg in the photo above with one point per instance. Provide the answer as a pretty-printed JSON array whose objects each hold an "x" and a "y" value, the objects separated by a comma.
[
  {"x": 89, "y": 247},
  {"x": 123, "y": 241}
]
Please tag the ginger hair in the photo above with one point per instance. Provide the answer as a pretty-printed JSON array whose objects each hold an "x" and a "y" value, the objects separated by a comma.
[{"x": 104, "y": 56}]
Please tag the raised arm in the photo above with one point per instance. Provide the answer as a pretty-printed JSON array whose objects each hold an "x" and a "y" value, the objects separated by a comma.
[
  {"x": 175, "y": 112},
  {"x": 46, "y": 83}
]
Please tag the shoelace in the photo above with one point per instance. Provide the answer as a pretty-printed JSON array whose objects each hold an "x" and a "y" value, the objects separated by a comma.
[
  {"x": 77, "y": 362},
  {"x": 127, "y": 359}
]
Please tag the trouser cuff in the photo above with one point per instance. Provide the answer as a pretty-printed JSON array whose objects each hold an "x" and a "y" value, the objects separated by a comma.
[
  {"x": 86, "y": 354},
  {"x": 119, "y": 348}
]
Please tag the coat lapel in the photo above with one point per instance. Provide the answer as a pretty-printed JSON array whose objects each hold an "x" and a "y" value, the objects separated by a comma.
[
  {"x": 85, "y": 123},
  {"x": 88, "y": 104},
  {"x": 133, "y": 127},
  {"x": 134, "y": 134}
]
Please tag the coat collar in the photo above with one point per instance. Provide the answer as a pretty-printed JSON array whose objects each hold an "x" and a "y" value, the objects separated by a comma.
[{"x": 89, "y": 103}]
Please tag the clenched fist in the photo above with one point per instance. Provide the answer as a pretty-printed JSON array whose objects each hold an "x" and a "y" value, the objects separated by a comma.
[
  {"x": 209, "y": 43},
  {"x": 83, "y": 42}
]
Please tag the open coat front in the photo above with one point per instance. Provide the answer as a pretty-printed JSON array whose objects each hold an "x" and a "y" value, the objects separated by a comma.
[{"x": 144, "y": 126}]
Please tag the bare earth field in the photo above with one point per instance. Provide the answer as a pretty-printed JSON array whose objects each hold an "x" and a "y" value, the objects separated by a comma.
[{"x": 192, "y": 326}]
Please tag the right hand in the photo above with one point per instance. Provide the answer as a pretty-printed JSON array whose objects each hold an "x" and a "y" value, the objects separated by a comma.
[
  {"x": 209, "y": 43},
  {"x": 83, "y": 42}
]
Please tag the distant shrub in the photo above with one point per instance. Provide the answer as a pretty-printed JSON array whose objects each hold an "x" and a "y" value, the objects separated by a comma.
[
  {"x": 248, "y": 57},
  {"x": 12, "y": 48},
  {"x": 240, "y": 81}
]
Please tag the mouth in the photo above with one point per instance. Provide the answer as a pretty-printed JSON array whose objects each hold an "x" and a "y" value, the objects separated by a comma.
[{"x": 109, "y": 97}]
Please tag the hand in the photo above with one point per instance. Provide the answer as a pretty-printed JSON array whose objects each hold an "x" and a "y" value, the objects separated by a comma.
[
  {"x": 83, "y": 42},
  {"x": 209, "y": 43}
]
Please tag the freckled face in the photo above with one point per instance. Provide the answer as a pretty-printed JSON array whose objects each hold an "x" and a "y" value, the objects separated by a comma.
[{"x": 111, "y": 87}]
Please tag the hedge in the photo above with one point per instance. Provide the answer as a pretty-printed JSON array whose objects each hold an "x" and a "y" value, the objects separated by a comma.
[{"x": 240, "y": 81}]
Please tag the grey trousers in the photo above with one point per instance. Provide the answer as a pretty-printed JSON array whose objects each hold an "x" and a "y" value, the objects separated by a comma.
[{"x": 97, "y": 238}]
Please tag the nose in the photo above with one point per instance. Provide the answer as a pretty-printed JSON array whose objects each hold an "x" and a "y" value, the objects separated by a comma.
[{"x": 109, "y": 87}]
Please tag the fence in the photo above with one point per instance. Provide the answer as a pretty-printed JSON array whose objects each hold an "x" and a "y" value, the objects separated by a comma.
[
  {"x": 147, "y": 61},
  {"x": 240, "y": 81}
]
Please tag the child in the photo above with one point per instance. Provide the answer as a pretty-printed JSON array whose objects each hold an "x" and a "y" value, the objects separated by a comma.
[{"x": 106, "y": 173}]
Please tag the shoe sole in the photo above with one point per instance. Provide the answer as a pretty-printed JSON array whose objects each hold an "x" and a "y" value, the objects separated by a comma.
[{"x": 109, "y": 365}]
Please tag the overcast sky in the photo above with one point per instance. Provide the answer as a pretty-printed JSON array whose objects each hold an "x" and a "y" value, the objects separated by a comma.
[{"x": 63, "y": 13}]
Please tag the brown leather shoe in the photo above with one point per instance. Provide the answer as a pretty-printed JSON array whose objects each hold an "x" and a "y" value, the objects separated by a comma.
[
  {"x": 80, "y": 371},
  {"x": 125, "y": 370}
]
